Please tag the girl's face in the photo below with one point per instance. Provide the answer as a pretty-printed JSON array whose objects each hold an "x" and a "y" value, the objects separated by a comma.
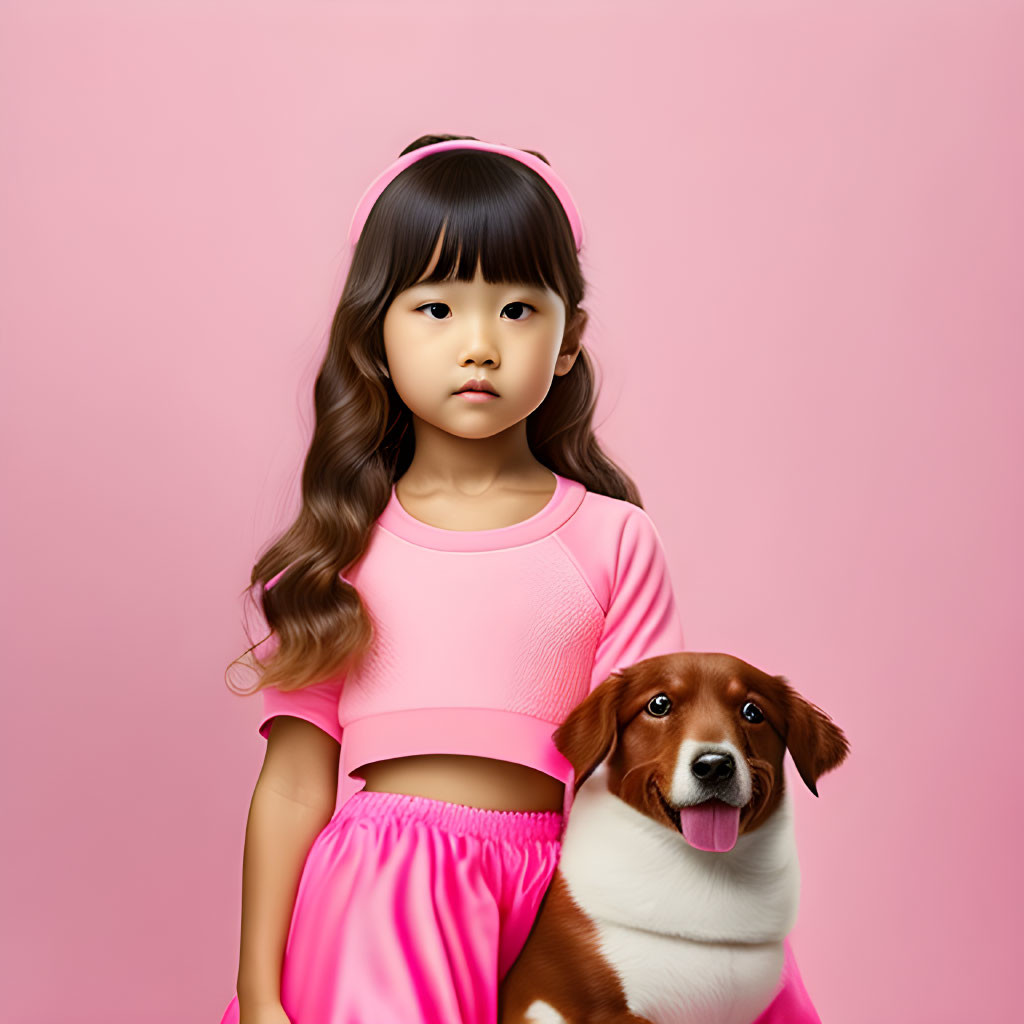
[{"x": 439, "y": 336}]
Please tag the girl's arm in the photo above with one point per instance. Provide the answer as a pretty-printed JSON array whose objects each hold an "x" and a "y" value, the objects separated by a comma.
[
  {"x": 293, "y": 800},
  {"x": 643, "y": 619}
]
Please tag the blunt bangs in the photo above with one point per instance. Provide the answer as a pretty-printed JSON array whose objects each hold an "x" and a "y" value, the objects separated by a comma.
[{"x": 494, "y": 212}]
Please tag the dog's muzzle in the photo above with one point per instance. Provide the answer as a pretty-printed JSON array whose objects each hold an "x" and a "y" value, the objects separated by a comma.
[{"x": 711, "y": 821}]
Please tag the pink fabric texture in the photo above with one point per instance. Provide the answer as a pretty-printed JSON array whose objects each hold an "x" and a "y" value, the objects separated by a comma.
[
  {"x": 411, "y": 911},
  {"x": 792, "y": 1004},
  {"x": 487, "y": 639}
]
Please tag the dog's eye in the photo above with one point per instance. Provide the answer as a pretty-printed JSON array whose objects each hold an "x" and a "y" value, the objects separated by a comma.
[
  {"x": 659, "y": 706},
  {"x": 751, "y": 712}
]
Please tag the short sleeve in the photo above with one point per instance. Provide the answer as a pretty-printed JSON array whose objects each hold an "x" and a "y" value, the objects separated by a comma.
[
  {"x": 317, "y": 704},
  {"x": 642, "y": 620}
]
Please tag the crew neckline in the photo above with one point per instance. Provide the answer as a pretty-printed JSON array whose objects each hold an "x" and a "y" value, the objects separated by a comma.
[{"x": 567, "y": 496}]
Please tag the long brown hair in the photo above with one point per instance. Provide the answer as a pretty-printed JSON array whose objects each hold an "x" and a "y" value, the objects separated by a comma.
[{"x": 362, "y": 441}]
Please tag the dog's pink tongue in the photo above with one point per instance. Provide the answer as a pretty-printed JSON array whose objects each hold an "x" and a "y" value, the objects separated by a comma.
[{"x": 711, "y": 826}]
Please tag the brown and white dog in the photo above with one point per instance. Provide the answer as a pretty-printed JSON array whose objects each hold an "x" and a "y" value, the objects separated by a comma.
[{"x": 678, "y": 879}]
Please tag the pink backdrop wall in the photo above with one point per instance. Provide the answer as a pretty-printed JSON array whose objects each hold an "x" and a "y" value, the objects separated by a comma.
[{"x": 804, "y": 226}]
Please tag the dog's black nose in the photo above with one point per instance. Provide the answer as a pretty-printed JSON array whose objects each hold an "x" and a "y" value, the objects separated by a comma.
[{"x": 714, "y": 767}]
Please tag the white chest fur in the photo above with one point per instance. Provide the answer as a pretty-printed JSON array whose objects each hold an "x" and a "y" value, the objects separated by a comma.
[{"x": 696, "y": 937}]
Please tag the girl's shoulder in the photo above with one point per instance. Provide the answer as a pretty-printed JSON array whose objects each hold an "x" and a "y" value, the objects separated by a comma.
[
  {"x": 600, "y": 515},
  {"x": 608, "y": 537}
]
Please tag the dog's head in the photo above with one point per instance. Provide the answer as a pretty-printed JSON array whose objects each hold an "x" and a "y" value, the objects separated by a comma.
[{"x": 696, "y": 740}]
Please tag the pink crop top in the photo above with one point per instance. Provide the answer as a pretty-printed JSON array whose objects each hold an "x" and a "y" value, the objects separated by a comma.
[{"x": 487, "y": 639}]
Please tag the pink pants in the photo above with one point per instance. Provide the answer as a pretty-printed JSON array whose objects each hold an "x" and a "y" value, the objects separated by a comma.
[{"x": 411, "y": 911}]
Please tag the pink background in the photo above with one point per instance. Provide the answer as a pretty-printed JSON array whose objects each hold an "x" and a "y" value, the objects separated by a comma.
[{"x": 804, "y": 257}]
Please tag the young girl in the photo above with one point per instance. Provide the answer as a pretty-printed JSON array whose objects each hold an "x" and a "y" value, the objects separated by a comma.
[{"x": 466, "y": 566}]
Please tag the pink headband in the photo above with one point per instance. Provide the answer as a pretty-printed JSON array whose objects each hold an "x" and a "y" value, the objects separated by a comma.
[{"x": 534, "y": 163}]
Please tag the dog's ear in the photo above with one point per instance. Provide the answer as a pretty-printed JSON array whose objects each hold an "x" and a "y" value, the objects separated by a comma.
[
  {"x": 815, "y": 742},
  {"x": 589, "y": 734}
]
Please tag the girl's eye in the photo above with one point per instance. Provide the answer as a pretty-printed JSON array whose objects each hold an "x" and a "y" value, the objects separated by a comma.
[
  {"x": 516, "y": 307},
  {"x": 519, "y": 306},
  {"x": 432, "y": 306}
]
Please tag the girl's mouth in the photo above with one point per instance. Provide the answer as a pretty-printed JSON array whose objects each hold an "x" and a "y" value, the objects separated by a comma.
[{"x": 475, "y": 396}]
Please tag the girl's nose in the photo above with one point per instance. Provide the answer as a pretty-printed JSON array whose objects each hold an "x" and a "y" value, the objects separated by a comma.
[{"x": 480, "y": 349}]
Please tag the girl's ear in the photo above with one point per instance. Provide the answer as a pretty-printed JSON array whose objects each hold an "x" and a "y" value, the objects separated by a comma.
[
  {"x": 589, "y": 734},
  {"x": 572, "y": 336},
  {"x": 577, "y": 325},
  {"x": 815, "y": 742}
]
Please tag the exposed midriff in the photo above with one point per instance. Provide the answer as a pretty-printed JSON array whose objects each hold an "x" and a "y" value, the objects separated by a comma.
[{"x": 466, "y": 779}]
